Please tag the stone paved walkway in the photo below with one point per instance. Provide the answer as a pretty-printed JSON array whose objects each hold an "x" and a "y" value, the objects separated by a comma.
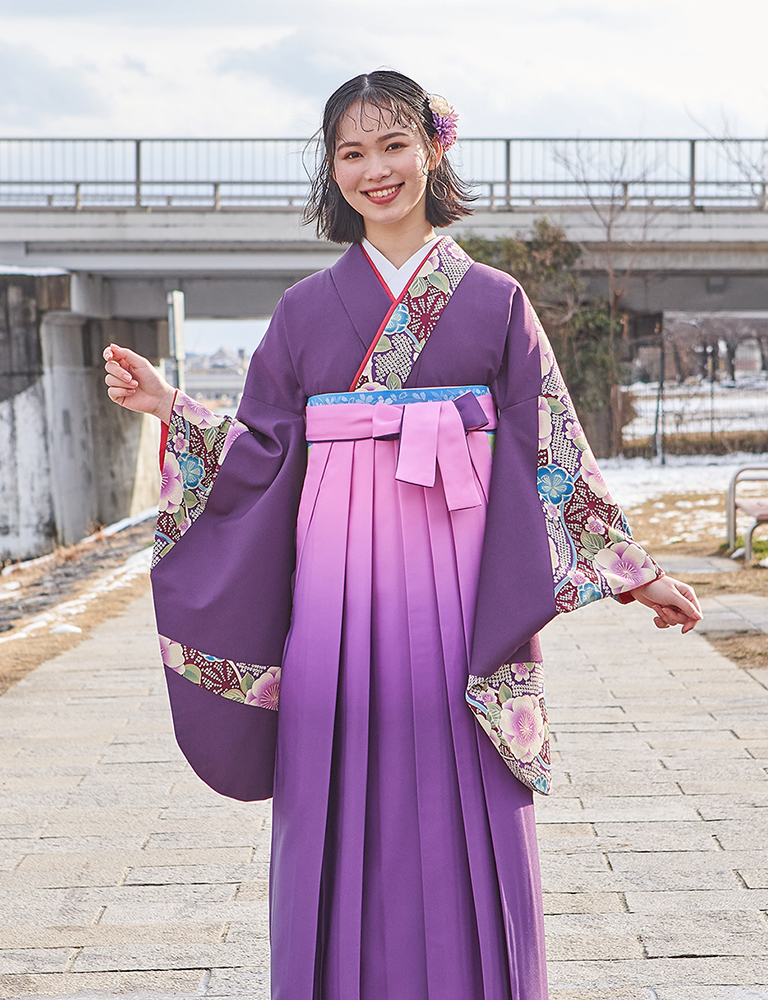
[{"x": 121, "y": 874}]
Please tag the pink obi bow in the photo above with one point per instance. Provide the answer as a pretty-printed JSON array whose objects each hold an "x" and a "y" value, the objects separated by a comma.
[{"x": 431, "y": 434}]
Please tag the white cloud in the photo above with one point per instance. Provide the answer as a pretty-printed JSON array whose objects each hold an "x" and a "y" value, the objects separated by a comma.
[
  {"x": 35, "y": 93},
  {"x": 167, "y": 67}
]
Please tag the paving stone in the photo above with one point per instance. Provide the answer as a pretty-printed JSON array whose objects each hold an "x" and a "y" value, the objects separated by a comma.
[
  {"x": 706, "y": 933},
  {"x": 740, "y": 835},
  {"x": 253, "y": 911},
  {"x": 658, "y": 972},
  {"x": 584, "y": 902},
  {"x": 211, "y": 839},
  {"x": 25, "y": 960},
  {"x": 121, "y": 935},
  {"x": 156, "y": 985},
  {"x": 710, "y": 993},
  {"x": 168, "y": 956},
  {"x": 251, "y": 982},
  {"x": 175, "y": 874},
  {"x": 754, "y": 878},
  {"x": 629, "y": 786},
  {"x": 640, "y": 836},
  {"x": 258, "y": 889},
  {"x": 707, "y": 900}
]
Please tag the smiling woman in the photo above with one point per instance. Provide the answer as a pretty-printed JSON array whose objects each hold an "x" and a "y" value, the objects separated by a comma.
[
  {"x": 381, "y": 145},
  {"x": 389, "y": 581}
]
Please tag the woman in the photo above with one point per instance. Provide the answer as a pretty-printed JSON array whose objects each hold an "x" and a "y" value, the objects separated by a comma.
[{"x": 404, "y": 860}]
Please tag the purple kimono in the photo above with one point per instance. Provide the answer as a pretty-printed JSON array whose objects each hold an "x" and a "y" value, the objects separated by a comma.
[{"x": 388, "y": 590}]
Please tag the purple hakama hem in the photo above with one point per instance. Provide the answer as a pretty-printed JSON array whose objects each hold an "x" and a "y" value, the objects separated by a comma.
[{"x": 404, "y": 864}]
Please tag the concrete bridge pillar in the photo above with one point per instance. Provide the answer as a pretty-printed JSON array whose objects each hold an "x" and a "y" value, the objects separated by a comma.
[{"x": 70, "y": 460}]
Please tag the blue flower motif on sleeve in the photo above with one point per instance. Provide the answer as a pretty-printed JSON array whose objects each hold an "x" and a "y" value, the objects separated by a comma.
[
  {"x": 554, "y": 483},
  {"x": 192, "y": 469},
  {"x": 589, "y": 592}
]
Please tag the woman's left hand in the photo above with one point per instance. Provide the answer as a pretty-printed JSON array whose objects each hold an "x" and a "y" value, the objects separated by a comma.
[{"x": 673, "y": 602}]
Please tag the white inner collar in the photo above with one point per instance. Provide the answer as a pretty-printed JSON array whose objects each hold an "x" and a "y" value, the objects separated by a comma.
[{"x": 396, "y": 278}]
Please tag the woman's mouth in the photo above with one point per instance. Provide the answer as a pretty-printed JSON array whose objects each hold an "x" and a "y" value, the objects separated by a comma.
[{"x": 382, "y": 196}]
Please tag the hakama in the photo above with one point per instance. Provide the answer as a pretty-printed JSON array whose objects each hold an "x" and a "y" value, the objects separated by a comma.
[{"x": 391, "y": 806}]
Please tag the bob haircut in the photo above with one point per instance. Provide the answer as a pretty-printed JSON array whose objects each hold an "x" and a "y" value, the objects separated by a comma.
[{"x": 398, "y": 97}]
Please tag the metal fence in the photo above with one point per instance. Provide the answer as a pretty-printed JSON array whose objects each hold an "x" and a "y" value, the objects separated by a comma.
[{"x": 219, "y": 174}]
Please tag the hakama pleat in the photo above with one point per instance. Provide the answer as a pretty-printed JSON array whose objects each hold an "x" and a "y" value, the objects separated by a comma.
[{"x": 404, "y": 861}]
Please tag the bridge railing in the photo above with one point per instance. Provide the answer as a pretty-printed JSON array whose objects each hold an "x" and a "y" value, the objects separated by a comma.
[{"x": 220, "y": 174}]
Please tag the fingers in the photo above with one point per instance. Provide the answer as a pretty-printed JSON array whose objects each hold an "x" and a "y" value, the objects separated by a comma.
[
  {"x": 690, "y": 593},
  {"x": 118, "y": 376},
  {"x": 667, "y": 616},
  {"x": 117, "y": 353},
  {"x": 687, "y": 608},
  {"x": 685, "y": 598},
  {"x": 670, "y": 614}
]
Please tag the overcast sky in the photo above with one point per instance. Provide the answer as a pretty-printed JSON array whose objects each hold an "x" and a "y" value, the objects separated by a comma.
[{"x": 238, "y": 68}]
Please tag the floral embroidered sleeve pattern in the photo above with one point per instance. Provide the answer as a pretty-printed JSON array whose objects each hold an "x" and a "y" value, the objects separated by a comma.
[
  {"x": 593, "y": 556},
  {"x": 511, "y": 708},
  {"x": 198, "y": 443},
  {"x": 590, "y": 543}
]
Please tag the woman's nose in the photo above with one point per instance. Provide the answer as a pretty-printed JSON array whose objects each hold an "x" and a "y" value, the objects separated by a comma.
[{"x": 376, "y": 168}]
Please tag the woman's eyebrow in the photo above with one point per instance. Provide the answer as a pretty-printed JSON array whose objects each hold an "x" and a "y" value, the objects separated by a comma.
[{"x": 383, "y": 138}]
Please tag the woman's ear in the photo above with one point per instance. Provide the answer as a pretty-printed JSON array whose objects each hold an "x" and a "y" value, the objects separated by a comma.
[{"x": 436, "y": 155}]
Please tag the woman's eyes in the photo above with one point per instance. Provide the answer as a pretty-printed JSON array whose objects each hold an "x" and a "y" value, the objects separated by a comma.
[{"x": 353, "y": 154}]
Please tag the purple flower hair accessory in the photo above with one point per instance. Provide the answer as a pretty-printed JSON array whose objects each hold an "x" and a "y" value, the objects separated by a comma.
[{"x": 444, "y": 118}]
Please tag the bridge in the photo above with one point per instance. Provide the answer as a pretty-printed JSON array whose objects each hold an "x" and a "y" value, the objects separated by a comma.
[
  {"x": 95, "y": 232},
  {"x": 686, "y": 219}
]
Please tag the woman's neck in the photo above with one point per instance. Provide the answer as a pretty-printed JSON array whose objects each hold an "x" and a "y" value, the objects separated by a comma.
[{"x": 398, "y": 246}]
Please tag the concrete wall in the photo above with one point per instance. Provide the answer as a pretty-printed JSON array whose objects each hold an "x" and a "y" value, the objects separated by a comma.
[
  {"x": 70, "y": 460},
  {"x": 27, "y": 526}
]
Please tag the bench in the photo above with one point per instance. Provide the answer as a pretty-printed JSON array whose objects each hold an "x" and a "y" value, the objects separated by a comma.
[{"x": 755, "y": 508}]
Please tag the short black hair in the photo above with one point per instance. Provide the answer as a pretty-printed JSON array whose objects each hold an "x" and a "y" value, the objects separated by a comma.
[{"x": 396, "y": 95}]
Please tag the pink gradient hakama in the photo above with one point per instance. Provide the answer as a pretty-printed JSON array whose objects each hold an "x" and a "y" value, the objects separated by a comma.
[{"x": 404, "y": 860}]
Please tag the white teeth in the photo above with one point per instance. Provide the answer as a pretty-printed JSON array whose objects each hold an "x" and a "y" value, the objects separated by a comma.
[{"x": 382, "y": 194}]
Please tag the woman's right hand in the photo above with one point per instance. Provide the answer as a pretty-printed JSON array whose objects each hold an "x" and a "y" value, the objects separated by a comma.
[{"x": 136, "y": 384}]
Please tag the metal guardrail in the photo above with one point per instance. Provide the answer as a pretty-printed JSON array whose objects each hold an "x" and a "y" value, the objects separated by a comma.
[{"x": 219, "y": 174}]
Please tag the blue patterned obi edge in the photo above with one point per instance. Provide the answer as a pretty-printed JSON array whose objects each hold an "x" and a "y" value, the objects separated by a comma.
[{"x": 400, "y": 396}]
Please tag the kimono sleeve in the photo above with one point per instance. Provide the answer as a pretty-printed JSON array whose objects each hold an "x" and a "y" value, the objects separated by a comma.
[
  {"x": 555, "y": 540},
  {"x": 222, "y": 569}
]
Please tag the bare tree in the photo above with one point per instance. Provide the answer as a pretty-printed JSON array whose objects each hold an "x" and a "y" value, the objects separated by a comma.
[
  {"x": 614, "y": 179},
  {"x": 747, "y": 159}
]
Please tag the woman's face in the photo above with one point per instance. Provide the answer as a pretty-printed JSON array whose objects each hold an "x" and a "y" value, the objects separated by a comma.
[{"x": 381, "y": 168}]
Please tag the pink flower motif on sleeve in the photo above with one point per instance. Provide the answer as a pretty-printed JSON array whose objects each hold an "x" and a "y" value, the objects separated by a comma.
[
  {"x": 593, "y": 477},
  {"x": 196, "y": 413},
  {"x": 625, "y": 566},
  {"x": 179, "y": 443},
  {"x": 265, "y": 692},
  {"x": 545, "y": 424},
  {"x": 233, "y": 434},
  {"x": 523, "y": 725},
  {"x": 171, "y": 486},
  {"x": 172, "y": 654}
]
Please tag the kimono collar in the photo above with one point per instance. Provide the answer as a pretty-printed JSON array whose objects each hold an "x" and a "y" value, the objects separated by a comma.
[{"x": 361, "y": 293}]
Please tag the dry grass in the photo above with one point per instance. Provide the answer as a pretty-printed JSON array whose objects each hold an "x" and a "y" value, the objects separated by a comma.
[
  {"x": 69, "y": 573},
  {"x": 19, "y": 657},
  {"x": 746, "y": 651},
  {"x": 722, "y": 443}
]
